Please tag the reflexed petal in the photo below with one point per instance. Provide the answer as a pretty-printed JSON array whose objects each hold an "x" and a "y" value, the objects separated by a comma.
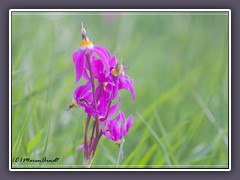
[
  {"x": 89, "y": 109},
  {"x": 103, "y": 103},
  {"x": 103, "y": 59},
  {"x": 113, "y": 60},
  {"x": 82, "y": 90},
  {"x": 115, "y": 92},
  {"x": 129, "y": 124},
  {"x": 115, "y": 131},
  {"x": 117, "y": 118},
  {"x": 97, "y": 67},
  {"x": 104, "y": 50},
  {"x": 107, "y": 134},
  {"x": 114, "y": 87},
  {"x": 132, "y": 89},
  {"x": 122, "y": 121},
  {"x": 79, "y": 59},
  {"x": 85, "y": 75},
  {"x": 110, "y": 125},
  {"x": 88, "y": 97},
  {"x": 122, "y": 82},
  {"x": 102, "y": 107},
  {"x": 127, "y": 83},
  {"x": 114, "y": 108}
]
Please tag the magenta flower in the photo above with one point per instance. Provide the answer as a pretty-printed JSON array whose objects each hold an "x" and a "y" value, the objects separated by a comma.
[
  {"x": 113, "y": 131},
  {"x": 105, "y": 107},
  {"x": 79, "y": 56},
  {"x": 125, "y": 82},
  {"x": 83, "y": 98},
  {"x": 116, "y": 80},
  {"x": 105, "y": 77},
  {"x": 98, "y": 71}
]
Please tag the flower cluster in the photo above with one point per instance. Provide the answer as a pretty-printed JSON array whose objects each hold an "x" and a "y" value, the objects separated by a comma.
[{"x": 105, "y": 76}]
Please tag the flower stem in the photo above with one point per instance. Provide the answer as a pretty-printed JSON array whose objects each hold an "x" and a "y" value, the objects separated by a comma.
[
  {"x": 87, "y": 162},
  {"x": 92, "y": 80},
  {"x": 120, "y": 152},
  {"x": 86, "y": 149},
  {"x": 90, "y": 148},
  {"x": 93, "y": 91}
]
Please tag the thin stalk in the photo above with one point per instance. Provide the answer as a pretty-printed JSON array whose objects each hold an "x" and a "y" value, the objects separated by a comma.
[
  {"x": 93, "y": 130},
  {"x": 100, "y": 134},
  {"x": 88, "y": 162},
  {"x": 120, "y": 151},
  {"x": 93, "y": 91},
  {"x": 86, "y": 154},
  {"x": 92, "y": 80},
  {"x": 94, "y": 125},
  {"x": 96, "y": 142},
  {"x": 108, "y": 110}
]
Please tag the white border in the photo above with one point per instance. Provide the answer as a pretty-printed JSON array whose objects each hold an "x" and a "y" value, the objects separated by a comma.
[
  {"x": 120, "y": 10},
  {"x": 229, "y": 90}
]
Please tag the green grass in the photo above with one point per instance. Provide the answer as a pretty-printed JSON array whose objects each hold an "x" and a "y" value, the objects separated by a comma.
[{"x": 179, "y": 64}]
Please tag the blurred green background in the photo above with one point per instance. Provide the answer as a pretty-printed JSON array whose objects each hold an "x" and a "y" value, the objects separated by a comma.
[{"x": 179, "y": 63}]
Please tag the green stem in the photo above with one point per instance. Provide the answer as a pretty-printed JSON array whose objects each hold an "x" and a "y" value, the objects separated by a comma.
[
  {"x": 120, "y": 151},
  {"x": 88, "y": 162}
]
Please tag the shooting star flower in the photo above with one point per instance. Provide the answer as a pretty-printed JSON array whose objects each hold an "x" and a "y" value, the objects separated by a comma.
[
  {"x": 79, "y": 56},
  {"x": 113, "y": 131}
]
